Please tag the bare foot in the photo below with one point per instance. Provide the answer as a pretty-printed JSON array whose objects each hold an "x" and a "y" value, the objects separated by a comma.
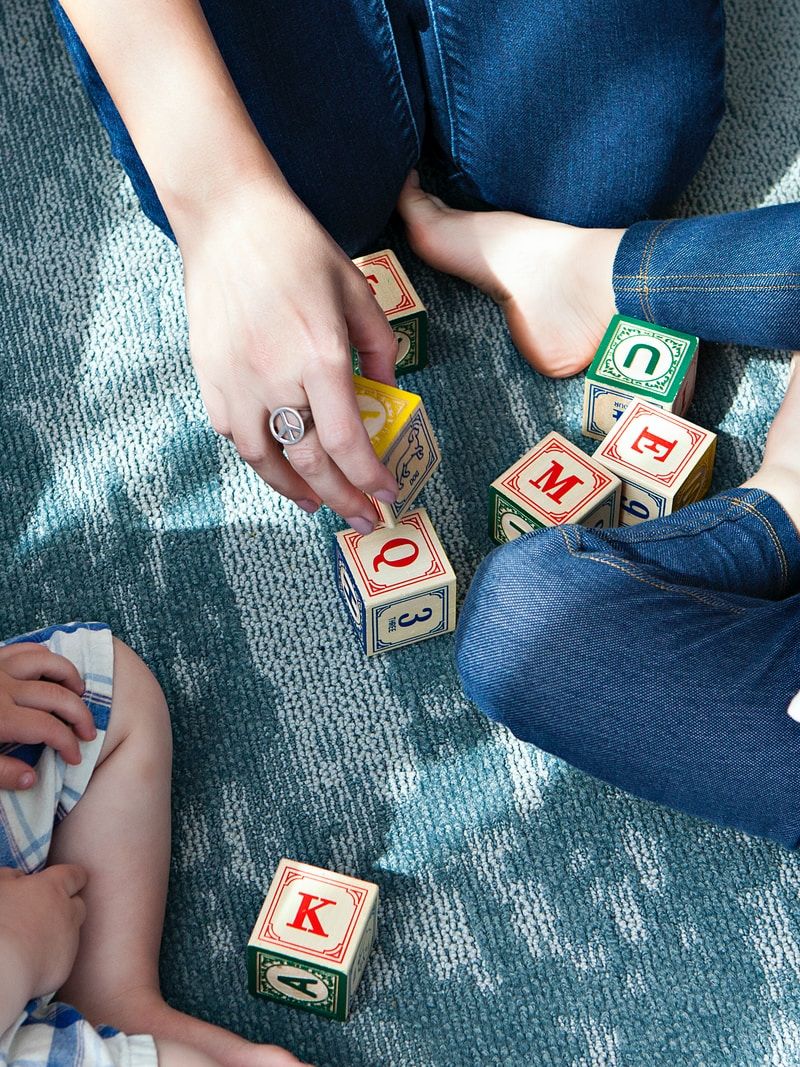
[
  {"x": 145, "y": 1012},
  {"x": 552, "y": 281},
  {"x": 779, "y": 473}
]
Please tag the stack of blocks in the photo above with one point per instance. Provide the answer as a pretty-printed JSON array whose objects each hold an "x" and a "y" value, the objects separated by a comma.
[
  {"x": 311, "y": 940},
  {"x": 405, "y": 311},
  {"x": 651, "y": 460}
]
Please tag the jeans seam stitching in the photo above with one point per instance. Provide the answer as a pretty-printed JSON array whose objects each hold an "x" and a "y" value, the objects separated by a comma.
[
  {"x": 728, "y": 274},
  {"x": 398, "y": 76},
  {"x": 638, "y": 288},
  {"x": 773, "y": 537},
  {"x": 443, "y": 71},
  {"x": 707, "y": 289},
  {"x": 655, "y": 235}
]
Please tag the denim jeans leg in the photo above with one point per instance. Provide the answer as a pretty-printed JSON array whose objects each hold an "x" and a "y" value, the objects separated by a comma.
[
  {"x": 333, "y": 89},
  {"x": 591, "y": 112},
  {"x": 733, "y": 278},
  {"x": 661, "y": 659}
]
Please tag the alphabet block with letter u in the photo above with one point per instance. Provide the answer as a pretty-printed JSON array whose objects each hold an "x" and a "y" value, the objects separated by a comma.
[
  {"x": 664, "y": 461},
  {"x": 552, "y": 484},
  {"x": 396, "y": 583},
  {"x": 311, "y": 940},
  {"x": 638, "y": 359}
]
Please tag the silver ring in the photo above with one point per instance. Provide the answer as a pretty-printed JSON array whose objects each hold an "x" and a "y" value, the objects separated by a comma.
[{"x": 288, "y": 425}]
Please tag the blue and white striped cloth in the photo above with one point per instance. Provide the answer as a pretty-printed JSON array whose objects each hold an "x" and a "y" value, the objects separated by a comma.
[{"x": 47, "y": 1032}]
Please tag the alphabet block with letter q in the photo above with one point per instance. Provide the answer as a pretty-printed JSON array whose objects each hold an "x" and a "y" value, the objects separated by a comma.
[
  {"x": 551, "y": 485},
  {"x": 403, "y": 439},
  {"x": 312, "y": 938},
  {"x": 405, "y": 311},
  {"x": 664, "y": 461},
  {"x": 638, "y": 359},
  {"x": 396, "y": 583}
]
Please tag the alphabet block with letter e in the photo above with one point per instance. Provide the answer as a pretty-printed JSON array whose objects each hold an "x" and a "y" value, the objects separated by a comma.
[
  {"x": 664, "y": 461},
  {"x": 402, "y": 306},
  {"x": 638, "y": 359},
  {"x": 551, "y": 485},
  {"x": 311, "y": 940},
  {"x": 403, "y": 439},
  {"x": 396, "y": 583}
]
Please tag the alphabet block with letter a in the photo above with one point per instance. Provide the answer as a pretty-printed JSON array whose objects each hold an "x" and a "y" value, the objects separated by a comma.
[
  {"x": 664, "y": 461},
  {"x": 638, "y": 359},
  {"x": 312, "y": 937},
  {"x": 402, "y": 306},
  {"x": 396, "y": 582},
  {"x": 552, "y": 484},
  {"x": 403, "y": 439}
]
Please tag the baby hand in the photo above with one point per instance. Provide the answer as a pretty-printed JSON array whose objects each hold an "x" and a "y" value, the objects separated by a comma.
[
  {"x": 40, "y": 919},
  {"x": 34, "y": 711}
]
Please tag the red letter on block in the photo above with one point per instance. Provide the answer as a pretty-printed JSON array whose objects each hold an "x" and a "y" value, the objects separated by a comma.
[
  {"x": 550, "y": 479},
  {"x": 307, "y": 911},
  {"x": 656, "y": 443}
]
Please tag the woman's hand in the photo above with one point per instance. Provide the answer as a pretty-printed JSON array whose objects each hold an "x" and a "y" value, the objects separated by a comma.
[
  {"x": 40, "y": 704},
  {"x": 273, "y": 305}
]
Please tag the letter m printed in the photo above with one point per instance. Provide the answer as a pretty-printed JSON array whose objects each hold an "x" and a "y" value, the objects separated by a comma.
[{"x": 552, "y": 483}]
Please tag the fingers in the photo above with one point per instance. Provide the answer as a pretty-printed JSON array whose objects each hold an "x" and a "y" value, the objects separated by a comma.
[
  {"x": 47, "y": 696},
  {"x": 262, "y": 452},
  {"x": 15, "y": 774},
  {"x": 71, "y": 878},
  {"x": 29, "y": 726},
  {"x": 370, "y": 332},
  {"x": 28, "y": 660}
]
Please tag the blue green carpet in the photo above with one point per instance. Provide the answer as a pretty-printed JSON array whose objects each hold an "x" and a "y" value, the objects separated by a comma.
[{"x": 531, "y": 916}]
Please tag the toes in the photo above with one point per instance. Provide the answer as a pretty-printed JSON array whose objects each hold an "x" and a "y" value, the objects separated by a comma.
[{"x": 416, "y": 206}]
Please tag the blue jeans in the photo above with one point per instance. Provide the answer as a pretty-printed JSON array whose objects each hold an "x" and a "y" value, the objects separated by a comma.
[{"x": 660, "y": 658}]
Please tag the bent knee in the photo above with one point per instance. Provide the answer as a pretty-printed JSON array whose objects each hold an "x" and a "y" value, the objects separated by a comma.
[{"x": 138, "y": 704}]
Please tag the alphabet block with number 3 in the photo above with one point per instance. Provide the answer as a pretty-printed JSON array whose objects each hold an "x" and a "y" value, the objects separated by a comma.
[
  {"x": 402, "y": 306},
  {"x": 312, "y": 938},
  {"x": 403, "y": 439},
  {"x": 664, "y": 461},
  {"x": 396, "y": 582},
  {"x": 552, "y": 484}
]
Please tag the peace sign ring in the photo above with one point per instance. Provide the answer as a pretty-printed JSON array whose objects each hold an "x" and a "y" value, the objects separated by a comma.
[{"x": 288, "y": 425}]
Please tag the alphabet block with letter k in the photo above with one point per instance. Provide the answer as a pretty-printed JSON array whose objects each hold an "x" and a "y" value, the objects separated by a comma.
[
  {"x": 311, "y": 940},
  {"x": 552, "y": 484},
  {"x": 396, "y": 583},
  {"x": 664, "y": 461},
  {"x": 638, "y": 359}
]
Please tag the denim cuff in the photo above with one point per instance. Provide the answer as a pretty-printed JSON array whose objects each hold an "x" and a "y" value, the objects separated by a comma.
[
  {"x": 731, "y": 278},
  {"x": 778, "y": 527}
]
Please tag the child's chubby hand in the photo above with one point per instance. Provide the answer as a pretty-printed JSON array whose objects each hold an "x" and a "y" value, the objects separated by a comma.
[
  {"x": 40, "y": 703},
  {"x": 40, "y": 919}
]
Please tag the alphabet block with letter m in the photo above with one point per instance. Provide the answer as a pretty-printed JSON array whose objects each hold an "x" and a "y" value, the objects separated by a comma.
[
  {"x": 638, "y": 359},
  {"x": 311, "y": 940},
  {"x": 401, "y": 305},
  {"x": 664, "y": 461},
  {"x": 403, "y": 438},
  {"x": 551, "y": 485},
  {"x": 396, "y": 583}
]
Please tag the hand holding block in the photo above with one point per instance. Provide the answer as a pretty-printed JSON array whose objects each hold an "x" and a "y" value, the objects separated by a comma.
[
  {"x": 396, "y": 582},
  {"x": 312, "y": 937},
  {"x": 552, "y": 484},
  {"x": 405, "y": 311},
  {"x": 638, "y": 359},
  {"x": 403, "y": 439},
  {"x": 663, "y": 460}
]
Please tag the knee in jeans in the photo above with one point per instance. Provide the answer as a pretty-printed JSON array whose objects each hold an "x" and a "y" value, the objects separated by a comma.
[{"x": 518, "y": 629}]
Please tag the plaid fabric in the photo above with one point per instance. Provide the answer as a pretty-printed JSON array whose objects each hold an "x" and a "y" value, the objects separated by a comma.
[{"x": 49, "y": 1032}]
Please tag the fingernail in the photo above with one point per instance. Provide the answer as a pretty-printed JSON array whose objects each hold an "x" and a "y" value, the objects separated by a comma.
[
  {"x": 26, "y": 780},
  {"x": 386, "y": 496},
  {"x": 308, "y": 505},
  {"x": 413, "y": 177},
  {"x": 359, "y": 523}
]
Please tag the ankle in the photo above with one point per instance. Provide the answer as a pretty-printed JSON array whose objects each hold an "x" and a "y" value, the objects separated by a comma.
[{"x": 593, "y": 258}]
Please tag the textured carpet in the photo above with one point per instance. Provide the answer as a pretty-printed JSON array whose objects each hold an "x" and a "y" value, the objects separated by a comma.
[{"x": 530, "y": 915}]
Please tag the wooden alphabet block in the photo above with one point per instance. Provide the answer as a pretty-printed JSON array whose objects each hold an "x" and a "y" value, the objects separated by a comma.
[
  {"x": 638, "y": 359},
  {"x": 663, "y": 460},
  {"x": 403, "y": 439},
  {"x": 312, "y": 938},
  {"x": 401, "y": 305},
  {"x": 396, "y": 582},
  {"x": 552, "y": 484}
]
